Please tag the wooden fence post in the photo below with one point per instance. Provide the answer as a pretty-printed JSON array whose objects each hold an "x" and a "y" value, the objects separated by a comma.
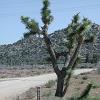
[{"x": 38, "y": 93}]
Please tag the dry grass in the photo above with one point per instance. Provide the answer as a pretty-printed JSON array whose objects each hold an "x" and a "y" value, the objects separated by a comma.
[{"x": 12, "y": 73}]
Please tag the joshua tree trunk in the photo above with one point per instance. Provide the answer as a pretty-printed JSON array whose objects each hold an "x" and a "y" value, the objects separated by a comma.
[
  {"x": 60, "y": 85},
  {"x": 60, "y": 82},
  {"x": 50, "y": 50}
]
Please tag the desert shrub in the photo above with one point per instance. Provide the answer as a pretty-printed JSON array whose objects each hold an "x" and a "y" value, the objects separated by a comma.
[
  {"x": 47, "y": 94},
  {"x": 85, "y": 77},
  {"x": 95, "y": 58},
  {"x": 82, "y": 82},
  {"x": 50, "y": 84},
  {"x": 95, "y": 85}
]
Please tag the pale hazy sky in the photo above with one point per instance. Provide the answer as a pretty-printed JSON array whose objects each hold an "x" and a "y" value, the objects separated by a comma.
[{"x": 11, "y": 28}]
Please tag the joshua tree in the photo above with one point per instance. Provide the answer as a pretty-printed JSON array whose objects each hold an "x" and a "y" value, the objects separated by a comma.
[{"x": 76, "y": 34}]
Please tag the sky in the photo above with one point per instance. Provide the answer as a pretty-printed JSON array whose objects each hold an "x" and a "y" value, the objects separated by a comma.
[{"x": 11, "y": 28}]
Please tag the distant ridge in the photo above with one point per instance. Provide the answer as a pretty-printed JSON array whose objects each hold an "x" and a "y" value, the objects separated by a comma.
[{"x": 32, "y": 50}]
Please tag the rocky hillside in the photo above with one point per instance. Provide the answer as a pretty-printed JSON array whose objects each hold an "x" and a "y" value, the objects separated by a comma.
[{"x": 32, "y": 50}]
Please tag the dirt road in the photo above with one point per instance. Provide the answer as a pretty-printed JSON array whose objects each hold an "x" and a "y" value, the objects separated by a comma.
[{"x": 12, "y": 87}]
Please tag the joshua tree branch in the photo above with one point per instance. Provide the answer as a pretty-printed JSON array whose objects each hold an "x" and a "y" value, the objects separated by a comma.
[
  {"x": 51, "y": 51},
  {"x": 75, "y": 54}
]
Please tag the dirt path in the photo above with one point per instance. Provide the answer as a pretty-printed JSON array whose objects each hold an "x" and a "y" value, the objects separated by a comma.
[{"x": 12, "y": 87}]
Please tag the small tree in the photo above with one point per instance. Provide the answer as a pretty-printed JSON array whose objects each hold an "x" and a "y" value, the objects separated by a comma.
[{"x": 76, "y": 34}]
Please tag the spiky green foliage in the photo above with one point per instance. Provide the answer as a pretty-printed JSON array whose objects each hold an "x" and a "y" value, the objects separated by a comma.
[
  {"x": 31, "y": 25},
  {"x": 76, "y": 29},
  {"x": 47, "y": 18},
  {"x": 76, "y": 18}
]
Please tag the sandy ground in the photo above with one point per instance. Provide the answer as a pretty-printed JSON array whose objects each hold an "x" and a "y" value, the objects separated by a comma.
[{"x": 12, "y": 87}]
